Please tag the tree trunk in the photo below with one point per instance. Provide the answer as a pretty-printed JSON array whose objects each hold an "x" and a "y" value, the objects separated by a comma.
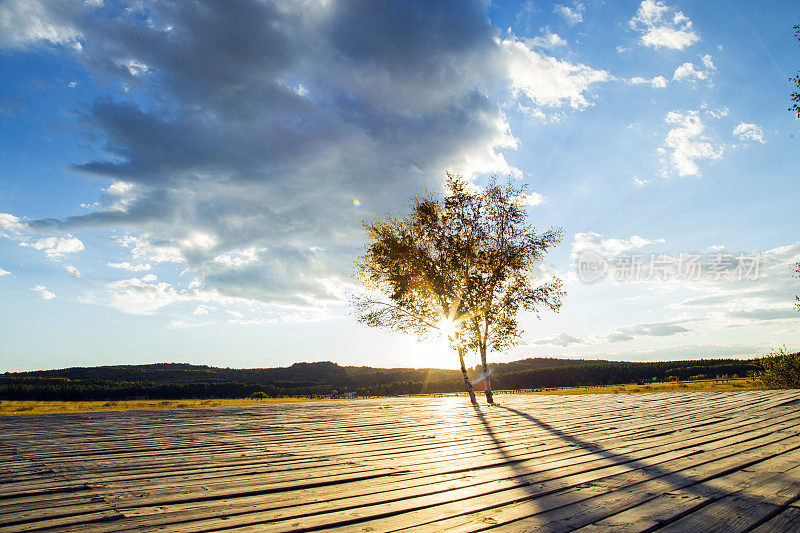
[
  {"x": 467, "y": 382},
  {"x": 486, "y": 383}
]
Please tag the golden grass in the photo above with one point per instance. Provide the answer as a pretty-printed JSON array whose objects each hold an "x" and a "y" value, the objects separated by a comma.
[
  {"x": 670, "y": 386},
  {"x": 13, "y": 408}
]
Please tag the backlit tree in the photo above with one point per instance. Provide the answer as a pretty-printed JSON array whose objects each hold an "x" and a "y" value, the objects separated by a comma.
[{"x": 464, "y": 264}]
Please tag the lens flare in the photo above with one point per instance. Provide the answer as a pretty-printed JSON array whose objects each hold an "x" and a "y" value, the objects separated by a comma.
[
  {"x": 447, "y": 328},
  {"x": 356, "y": 203}
]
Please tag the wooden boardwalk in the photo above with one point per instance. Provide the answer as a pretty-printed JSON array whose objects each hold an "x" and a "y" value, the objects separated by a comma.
[{"x": 668, "y": 462}]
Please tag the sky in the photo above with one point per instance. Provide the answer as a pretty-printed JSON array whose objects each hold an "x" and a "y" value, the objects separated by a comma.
[{"x": 187, "y": 181}]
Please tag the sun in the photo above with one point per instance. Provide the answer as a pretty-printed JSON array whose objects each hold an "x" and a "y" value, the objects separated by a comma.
[
  {"x": 447, "y": 328},
  {"x": 435, "y": 353}
]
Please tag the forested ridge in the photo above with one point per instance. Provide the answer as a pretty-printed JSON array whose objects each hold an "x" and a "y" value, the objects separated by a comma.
[{"x": 180, "y": 380}]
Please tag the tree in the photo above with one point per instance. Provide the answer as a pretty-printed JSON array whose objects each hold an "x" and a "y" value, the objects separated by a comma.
[
  {"x": 463, "y": 264},
  {"x": 781, "y": 369},
  {"x": 795, "y": 96},
  {"x": 797, "y": 275}
]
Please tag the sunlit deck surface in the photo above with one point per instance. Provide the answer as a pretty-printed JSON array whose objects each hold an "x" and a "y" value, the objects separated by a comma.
[{"x": 678, "y": 462}]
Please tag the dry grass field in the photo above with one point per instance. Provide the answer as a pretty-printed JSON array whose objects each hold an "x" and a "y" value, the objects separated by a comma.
[
  {"x": 15, "y": 408},
  {"x": 696, "y": 461},
  {"x": 671, "y": 386}
]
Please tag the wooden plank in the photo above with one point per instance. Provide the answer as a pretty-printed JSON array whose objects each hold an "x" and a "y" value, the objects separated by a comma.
[
  {"x": 525, "y": 509},
  {"x": 542, "y": 463},
  {"x": 787, "y": 519},
  {"x": 428, "y": 463},
  {"x": 743, "y": 509}
]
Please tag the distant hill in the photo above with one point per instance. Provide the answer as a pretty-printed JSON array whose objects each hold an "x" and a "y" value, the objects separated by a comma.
[
  {"x": 324, "y": 372},
  {"x": 181, "y": 380}
]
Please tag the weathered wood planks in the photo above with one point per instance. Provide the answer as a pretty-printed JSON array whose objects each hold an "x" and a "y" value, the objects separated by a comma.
[{"x": 645, "y": 462}]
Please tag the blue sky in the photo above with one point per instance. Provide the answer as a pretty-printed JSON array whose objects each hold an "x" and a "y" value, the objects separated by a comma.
[{"x": 177, "y": 180}]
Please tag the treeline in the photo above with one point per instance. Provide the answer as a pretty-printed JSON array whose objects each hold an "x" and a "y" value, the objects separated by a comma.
[
  {"x": 178, "y": 381},
  {"x": 612, "y": 373}
]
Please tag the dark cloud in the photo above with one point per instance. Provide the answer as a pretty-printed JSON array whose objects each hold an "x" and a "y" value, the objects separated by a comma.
[{"x": 239, "y": 126}]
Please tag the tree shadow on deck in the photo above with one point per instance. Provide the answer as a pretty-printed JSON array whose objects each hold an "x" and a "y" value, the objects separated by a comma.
[{"x": 652, "y": 471}]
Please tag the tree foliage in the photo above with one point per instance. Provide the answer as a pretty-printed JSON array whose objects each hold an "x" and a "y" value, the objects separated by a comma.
[
  {"x": 781, "y": 369},
  {"x": 468, "y": 259},
  {"x": 795, "y": 96},
  {"x": 797, "y": 275},
  {"x": 796, "y": 108}
]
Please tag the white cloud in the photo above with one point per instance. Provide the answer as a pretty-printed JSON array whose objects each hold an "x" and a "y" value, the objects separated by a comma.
[
  {"x": 300, "y": 90},
  {"x": 131, "y": 268},
  {"x": 203, "y": 309},
  {"x": 663, "y": 26},
  {"x": 708, "y": 62},
  {"x": 640, "y": 182},
  {"x": 773, "y": 288},
  {"x": 688, "y": 72},
  {"x": 4, "y": 272},
  {"x": 768, "y": 314},
  {"x": 136, "y": 68},
  {"x": 533, "y": 198},
  {"x": 546, "y": 81},
  {"x": 562, "y": 339},
  {"x": 573, "y": 15},
  {"x": 185, "y": 324},
  {"x": 658, "y": 82},
  {"x": 716, "y": 113},
  {"x": 43, "y": 292},
  {"x": 594, "y": 241},
  {"x": 623, "y": 333},
  {"x": 548, "y": 40},
  {"x": 56, "y": 246},
  {"x": 156, "y": 250},
  {"x": 117, "y": 197},
  {"x": 74, "y": 272},
  {"x": 688, "y": 143},
  {"x": 25, "y": 23},
  {"x": 239, "y": 258},
  {"x": 141, "y": 296},
  {"x": 10, "y": 222},
  {"x": 749, "y": 132},
  {"x": 652, "y": 329}
]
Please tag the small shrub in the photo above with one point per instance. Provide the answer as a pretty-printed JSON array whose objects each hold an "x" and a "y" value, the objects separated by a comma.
[{"x": 781, "y": 369}]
